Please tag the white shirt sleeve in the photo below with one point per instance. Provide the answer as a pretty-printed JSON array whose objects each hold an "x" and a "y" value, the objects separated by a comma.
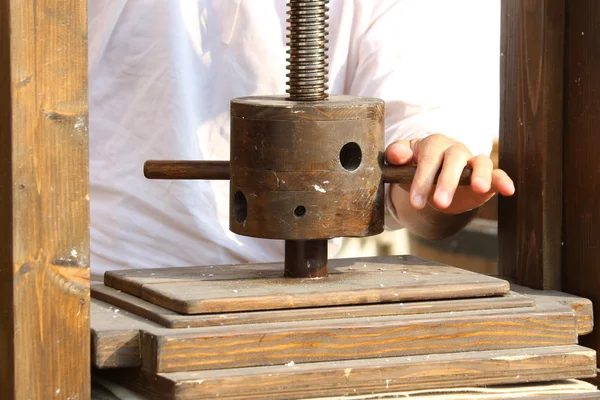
[{"x": 436, "y": 65}]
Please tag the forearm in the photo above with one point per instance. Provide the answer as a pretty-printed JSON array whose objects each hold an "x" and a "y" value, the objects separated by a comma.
[{"x": 427, "y": 223}]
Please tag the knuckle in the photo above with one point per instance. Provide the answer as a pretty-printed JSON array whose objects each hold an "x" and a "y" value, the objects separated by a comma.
[
  {"x": 459, "y": 150},
  {"x": 482, "y": 158},
  {"x": 482, "y": 161},
  {"x": 399, "y": 142},
  {"x": 430, "y": 159},
  {"x": 437, "y": 137}
]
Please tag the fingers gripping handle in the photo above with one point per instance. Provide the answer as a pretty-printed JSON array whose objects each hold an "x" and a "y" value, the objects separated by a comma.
[
  {"x": 219, "y": 170},
  {"x": 404, "y": 174}
]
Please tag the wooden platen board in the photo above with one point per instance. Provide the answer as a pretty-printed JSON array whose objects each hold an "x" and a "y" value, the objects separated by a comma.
[
  {"x": 171, "y": 319},
  {"x": 375, "y": 326},
  {"x": 191, "y": 349},
  {"x": 370, "y": 376},
  {"x": 218, "y": 289},
  {"x": 124, "y": 340}
]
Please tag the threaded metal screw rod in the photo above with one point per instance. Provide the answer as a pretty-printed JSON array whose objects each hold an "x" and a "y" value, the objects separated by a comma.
[
  {"x": 307, "y": 81},
  {"x": 308, "y": 42}
]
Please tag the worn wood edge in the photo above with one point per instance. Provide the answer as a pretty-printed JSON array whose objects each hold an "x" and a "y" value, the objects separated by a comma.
[
  {"x": 430, "y": 373},
  {"x": 583, "y": 307},
  {"x": 115, "y": 336},
  {"x": 136, "y": 306},
  {"x": 335, "y": 108},
  {"x": 115, "y": 349},
  {"x": 569, "y": 389},
  {"x": 400, "y": 374},
  {"x": 543, "y": 309},
  {"x": 375, "y": 295},
  {"x": 171, "y": 350},
  {"x": 171, "y": 319}
]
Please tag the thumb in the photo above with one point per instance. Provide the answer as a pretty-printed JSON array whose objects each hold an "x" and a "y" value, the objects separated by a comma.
[{"x": 399, "y": 153}]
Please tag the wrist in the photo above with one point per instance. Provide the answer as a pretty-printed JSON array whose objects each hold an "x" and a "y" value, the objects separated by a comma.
[{"x": 429, "y": 223}]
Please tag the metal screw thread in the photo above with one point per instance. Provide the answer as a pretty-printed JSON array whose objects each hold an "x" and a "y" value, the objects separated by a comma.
[{"x": 308, "y": 46}]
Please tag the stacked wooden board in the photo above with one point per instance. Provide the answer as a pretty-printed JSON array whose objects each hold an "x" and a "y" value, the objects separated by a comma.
[{"x": 374, "y": 326}]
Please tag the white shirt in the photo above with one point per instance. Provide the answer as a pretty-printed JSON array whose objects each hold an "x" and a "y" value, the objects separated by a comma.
[{"x": 162, "y": 73}]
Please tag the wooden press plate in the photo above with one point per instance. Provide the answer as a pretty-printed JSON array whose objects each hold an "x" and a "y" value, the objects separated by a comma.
[
  {"x": 172, "y": 319},
  {"x": 394, "y": 375},
  {"x": 248, "y": 287},
  {"x": 178, "y": 350}
]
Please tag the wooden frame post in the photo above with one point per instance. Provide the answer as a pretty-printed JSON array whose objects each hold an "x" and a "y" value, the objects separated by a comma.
[
  {"x": 530, "y": 145},
  {"x": 549, "y": 232},
  {"x": 44, "y": 200},
  {"x": 581, "y": 174}
]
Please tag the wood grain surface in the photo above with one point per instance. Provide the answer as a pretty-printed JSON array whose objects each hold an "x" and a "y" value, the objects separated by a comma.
[
  {"x": 582, "y": 307},
  {"x": 530, "y": 148},
  {"x": 581, "y": 143},
  {"x": 186, "y": 169},
  {"x": 386, "y": 377},
  {"x": 191, "y": 349},
  {"x": 116, "y": 336},
  {"x": 44, "y": 200},
  {"x": 280, "y": 160},
  {"x": 172, "y": 319},
  {"x": 395, "y": 374},
  {"x": 215, "y": 289}
]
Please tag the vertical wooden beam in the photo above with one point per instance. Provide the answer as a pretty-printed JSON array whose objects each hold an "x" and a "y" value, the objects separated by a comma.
[
  {"x": 581, "y": 252},
  {"x": 529, "y": 228},
  {"x": 44, "y": 202}
]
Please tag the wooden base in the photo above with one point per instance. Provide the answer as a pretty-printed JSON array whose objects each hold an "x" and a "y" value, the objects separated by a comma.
[
  {"x": 571, "y": 389},
  {"x": 338, "y": 336},
  {"x": 362, "y": 377}
]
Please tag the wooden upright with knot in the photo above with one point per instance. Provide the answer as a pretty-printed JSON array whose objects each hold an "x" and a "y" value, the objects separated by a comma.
[{"x": 44, "y": 200}]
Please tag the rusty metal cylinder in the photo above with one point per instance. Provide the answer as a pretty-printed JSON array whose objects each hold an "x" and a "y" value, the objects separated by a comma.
[{"x": 305, "y": 171}]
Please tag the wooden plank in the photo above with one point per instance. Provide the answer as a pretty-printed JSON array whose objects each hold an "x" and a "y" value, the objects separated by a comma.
[
  {"x": 116, "y": 336},
  {"x": 427, "y": 374},
  {"x": 171, "y": 319},
  {"x": 582, "y": 307},
  {"x": 581, "y": 142},
  {"x": 531, "y": 141},
  {"x": 521, "y": 297},
  {"x": 132, "y": 280},
  {"x": 215, "y": 289},
  {"x": 44, "y": 202},
  {"x": 171, "y": 350}
]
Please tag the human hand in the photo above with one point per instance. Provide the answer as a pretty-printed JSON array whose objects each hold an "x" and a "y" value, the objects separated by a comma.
[{"x": 437, "y": 152}]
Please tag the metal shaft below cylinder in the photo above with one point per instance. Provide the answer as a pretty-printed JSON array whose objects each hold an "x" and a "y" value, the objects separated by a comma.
[
  {"x": 305, "y": 258},
  {"x": 307, "y": 81}
]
